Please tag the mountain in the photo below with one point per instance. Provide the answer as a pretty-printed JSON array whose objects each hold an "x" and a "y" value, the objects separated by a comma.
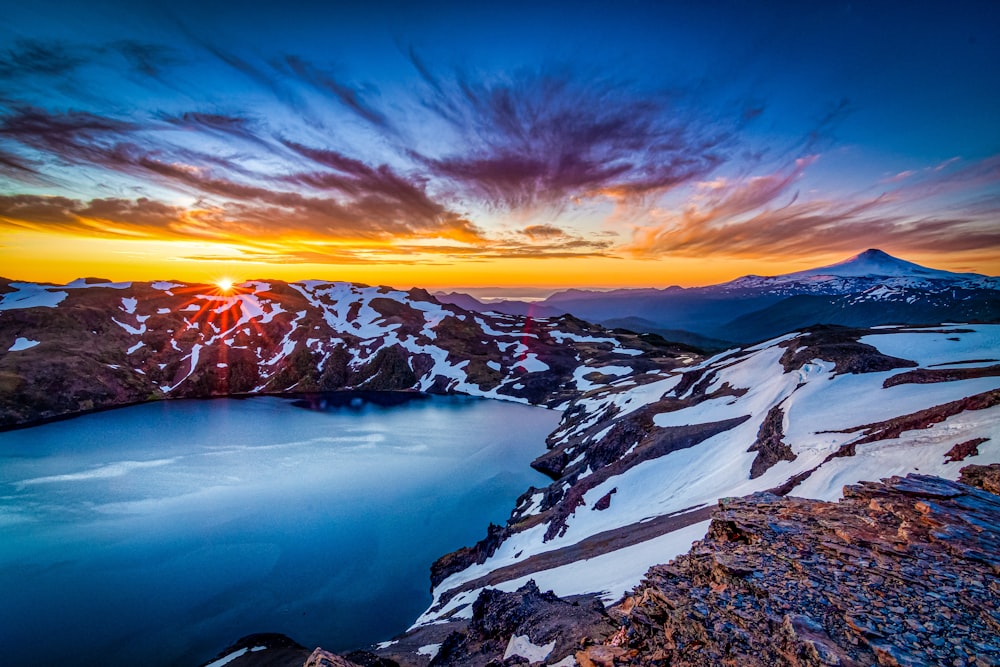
[
  {"x": 869, "y": 289},
  {"x": 95, "y": 344}
]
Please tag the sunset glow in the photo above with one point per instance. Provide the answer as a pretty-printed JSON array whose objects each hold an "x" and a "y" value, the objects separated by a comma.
[{"x": 453, "y": 146}]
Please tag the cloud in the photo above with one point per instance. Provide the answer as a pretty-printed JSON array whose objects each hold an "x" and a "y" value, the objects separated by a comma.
[
  {"x": 764, "y": 216},
  {"x": 30, "y": 57},
  {"x": 553, "y": 138},
  {"x": 351, "y": 97},
  {"x": 536, "y": 232},
  {"x": 70, "y": 137},
  {"x": 98, "y": 217}
]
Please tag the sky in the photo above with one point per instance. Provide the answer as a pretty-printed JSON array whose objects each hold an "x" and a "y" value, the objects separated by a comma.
[{"x": 512, "y": 145}]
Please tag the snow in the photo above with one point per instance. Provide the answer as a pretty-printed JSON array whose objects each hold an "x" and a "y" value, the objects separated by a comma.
[
  {"x": 609, "y": 575},
  {"x": 129, "y": 304},
  {"x": 929, "y": 348},
  {"x": 921, "y": 450},
  {"x": 80, "y": 283},
  {"x": 614, "y": 370},
  {"x": 165, "y": 286},
  {"x": 22, "y": 343},
  {"x": 225, "y": 660},
  {"x": 30, "y": 295},
  {"x": 135, "y": 347},
  {"x": 135, "y": 331},
  {"x": 562, "y": 336},
  {"x": 522, "y": 645},
  {"x": 430, "y": 650},
  {"x": 494, "y": 365},
  {"x": 532, "y": 364}
]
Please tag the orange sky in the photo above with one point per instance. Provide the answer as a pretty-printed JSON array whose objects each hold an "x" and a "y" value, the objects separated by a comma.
[{"x": 47, "y": 257}]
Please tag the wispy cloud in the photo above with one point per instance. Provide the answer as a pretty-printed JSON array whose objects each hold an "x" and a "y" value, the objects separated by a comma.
[
  {"x": 555, "y": 137},
  {"x": 767, "y": 216}
]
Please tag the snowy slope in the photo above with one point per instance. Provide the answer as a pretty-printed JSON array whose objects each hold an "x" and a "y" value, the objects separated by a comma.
[{"x": 829, "y": 407}]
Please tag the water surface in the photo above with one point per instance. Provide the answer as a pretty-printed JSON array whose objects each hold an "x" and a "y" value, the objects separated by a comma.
[{"x": 160, "y": 533}]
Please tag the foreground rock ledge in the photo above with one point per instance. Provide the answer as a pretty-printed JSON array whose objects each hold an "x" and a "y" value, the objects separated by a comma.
[{"x": 902, "y": 572}]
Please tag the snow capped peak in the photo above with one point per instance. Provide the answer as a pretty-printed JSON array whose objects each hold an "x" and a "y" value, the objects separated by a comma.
[
  {"x": 858, "y": 273},
  {"x": 874, "y": 262}
]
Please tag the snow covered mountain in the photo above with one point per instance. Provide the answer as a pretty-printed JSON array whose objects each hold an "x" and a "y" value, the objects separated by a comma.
[
  {"x": 869, "y": 289},
  {"x": 640, "y": 463},
  {"x": 92, "y": 344}
]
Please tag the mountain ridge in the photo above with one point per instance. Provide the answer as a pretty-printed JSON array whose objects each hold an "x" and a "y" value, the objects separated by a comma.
[{"x": 738, "y": 310}]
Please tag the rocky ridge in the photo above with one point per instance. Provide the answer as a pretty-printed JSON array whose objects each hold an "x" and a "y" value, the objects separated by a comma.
[
  {"x": 902, "y": 573},
  {"x": 94, "y": 344}
]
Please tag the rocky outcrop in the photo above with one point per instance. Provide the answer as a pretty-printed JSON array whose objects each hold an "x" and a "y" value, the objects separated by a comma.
[
  {"x": 526, "y": 626},
  {"x": 841, "y": 346},
  {"x": 769, "y": 445},
  {"x": 902, "y": 572}
]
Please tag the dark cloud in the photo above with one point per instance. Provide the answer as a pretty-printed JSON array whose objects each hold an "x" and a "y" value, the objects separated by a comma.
[
  {"x": 553, "y": 137},
  {"x": 30, "y": 57},
  {"x": 101, "y": 217},
  {"x": 16, "y": 167},
  {"x": 535, "y": 232},
  {"x": 73, "y": 136},
  {"x": 150, "y": 60}
]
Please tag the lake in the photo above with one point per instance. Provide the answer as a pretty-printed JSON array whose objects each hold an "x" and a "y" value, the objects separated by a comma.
[{"x": 159, "y": 534}]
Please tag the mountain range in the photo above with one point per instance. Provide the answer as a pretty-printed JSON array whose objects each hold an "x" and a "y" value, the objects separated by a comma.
[
  {"x": 868, "y": 289},
  {"x": 653, "y": 434}
]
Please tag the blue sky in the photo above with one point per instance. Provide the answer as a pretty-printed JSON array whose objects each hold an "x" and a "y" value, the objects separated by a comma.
[{"x": 333, "y": 135}]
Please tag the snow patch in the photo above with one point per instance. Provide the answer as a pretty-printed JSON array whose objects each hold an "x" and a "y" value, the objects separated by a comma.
[
  {"x": 22, "y": 343},
  {"x": 522, "y": 645},
  {"x": 30, "y": 295},
  {"x": 430, "y": 650}
]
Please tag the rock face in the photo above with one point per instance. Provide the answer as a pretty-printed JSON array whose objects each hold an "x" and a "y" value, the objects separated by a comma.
[{"x": 903, "y": 572}]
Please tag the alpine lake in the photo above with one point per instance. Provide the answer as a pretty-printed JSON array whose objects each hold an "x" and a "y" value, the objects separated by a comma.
[{"x": 158, "y": 534}]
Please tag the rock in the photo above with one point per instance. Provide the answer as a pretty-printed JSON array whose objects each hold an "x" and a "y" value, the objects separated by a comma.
[
  {"x": 983, "y": 477},
  {"x": 552, "y": 625},
  {"x": 901, "y": 572},
  {"x": 321, "y": 658}
]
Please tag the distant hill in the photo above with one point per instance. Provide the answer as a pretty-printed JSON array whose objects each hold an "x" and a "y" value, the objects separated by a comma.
[{"x": 869, "y": 289}]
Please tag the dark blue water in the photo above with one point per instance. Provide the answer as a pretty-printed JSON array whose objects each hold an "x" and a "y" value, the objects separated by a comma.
[{"x": 158, "y": 534}]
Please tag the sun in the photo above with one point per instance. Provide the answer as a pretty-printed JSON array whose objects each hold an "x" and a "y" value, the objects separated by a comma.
[{"x": 225, "y": 284}]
